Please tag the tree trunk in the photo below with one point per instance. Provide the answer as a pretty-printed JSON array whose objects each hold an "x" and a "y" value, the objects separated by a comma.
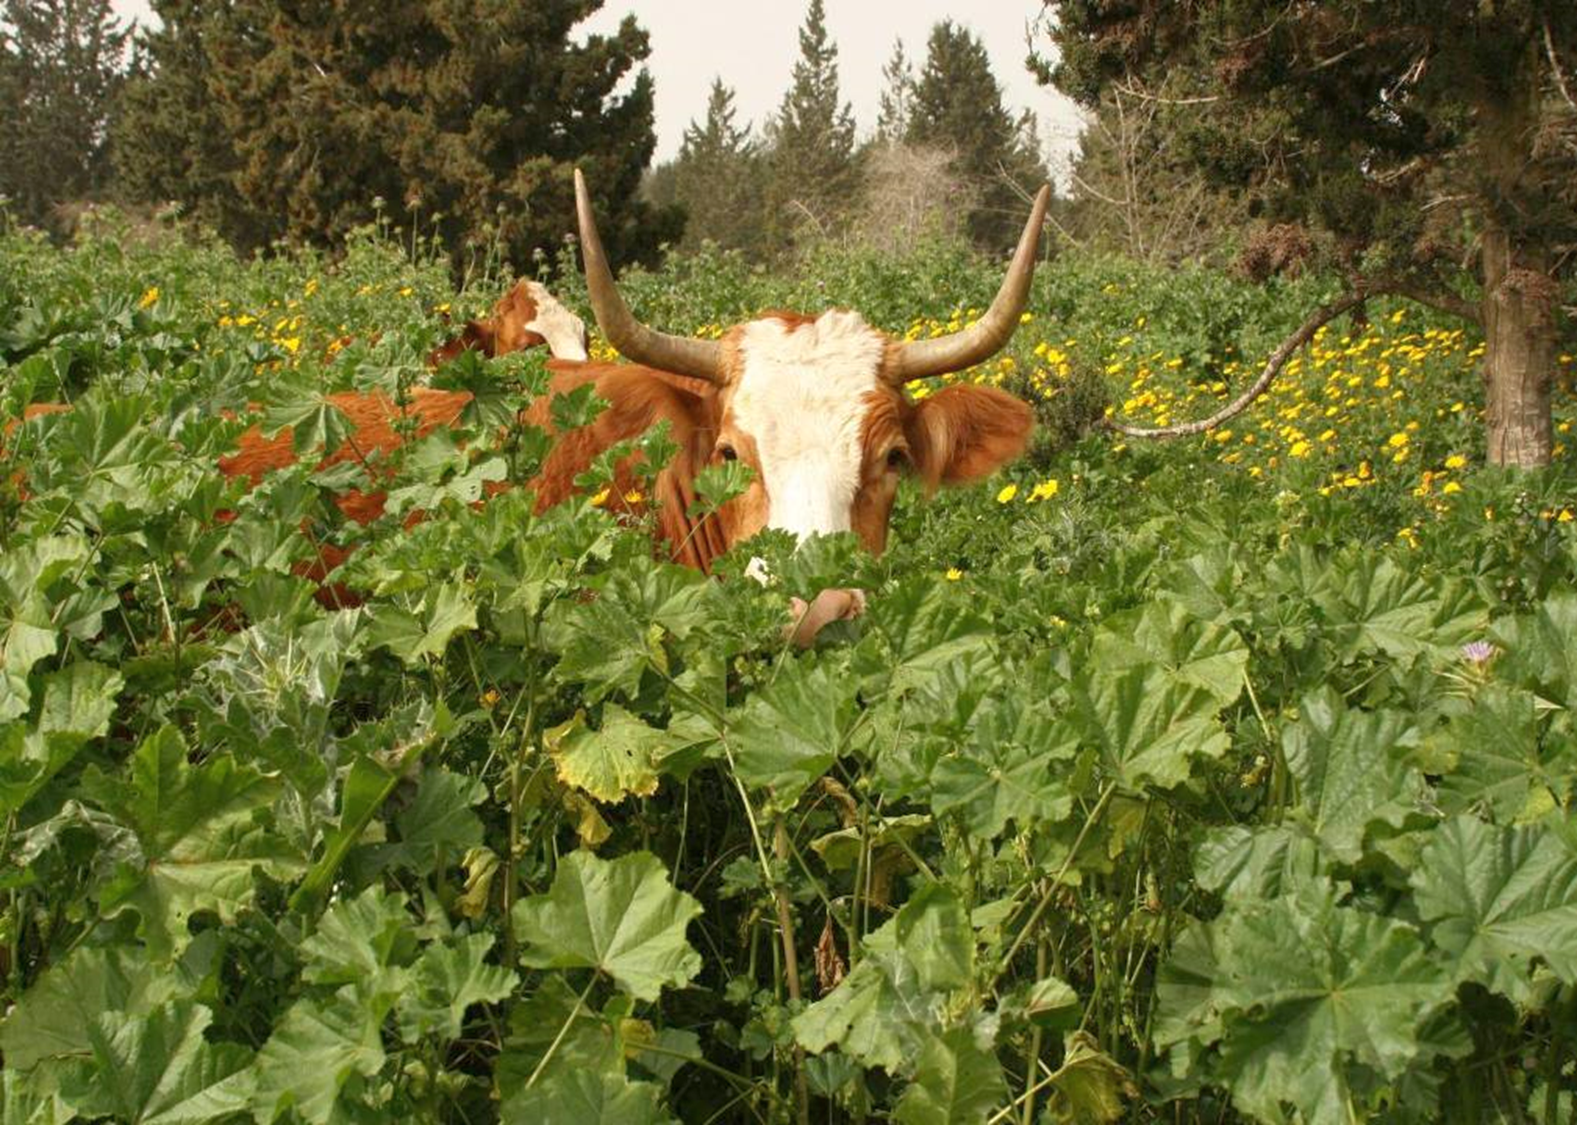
[{"x": 1519, "y": 297}]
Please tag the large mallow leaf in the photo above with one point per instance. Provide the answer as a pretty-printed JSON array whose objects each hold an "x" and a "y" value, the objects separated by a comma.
[
  {"x": 425, "y": 627},
  {"x": 361, "y": 941},
  {"x": 79, "y": 702},
  {"x": 1206, "y": 656},
  {"x": 1305, "y": 1002},
  {"x": 957, "y": 1082},
  {"x": 1372, "y": 605},
  {"x": 792, "y": 730},
  {"x": 570, "y": 1096},
  {"x": 1236, "y": 861},
  {"x": 1006, "y": 769},
  {"x": 320, "y": 1046},
  {"x": 621, "y": 917},
  {"x": 1351, "y": 771},
  {"x": 450, "y": 977},
  {"x": 1148, "y": 725},
  {"x": 201, "y": 830},
  {"x": 882, "y": 1013},
  {"x": 157, "y": 1069},
  {"x": 1538, "y": 649},
  {"x": 1499, "y": 899},
  {"x": 613, "y": 763},
  {"x": 1499, "y": 754},
  {"x": 918, "y": 629}
]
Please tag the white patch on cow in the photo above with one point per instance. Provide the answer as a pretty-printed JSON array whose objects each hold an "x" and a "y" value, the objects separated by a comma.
[
  {"x": 802, "y": 396},
  {"x": 562, "y": 329}
]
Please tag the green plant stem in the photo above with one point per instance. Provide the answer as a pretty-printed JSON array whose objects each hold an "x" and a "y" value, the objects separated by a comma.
[
  {"x": 1032, "y": 1059},
  {"x": 1045, "y": 899},
  {"x": 780, "y": 846},
  {"x": 563, "y": 1031}
]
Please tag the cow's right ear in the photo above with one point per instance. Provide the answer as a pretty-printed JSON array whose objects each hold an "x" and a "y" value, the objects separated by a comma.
[{"x": 965, "y": 432}]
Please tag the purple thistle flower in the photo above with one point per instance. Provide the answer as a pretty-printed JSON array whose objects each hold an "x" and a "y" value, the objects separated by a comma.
[{"x": 1478, "y": 652}]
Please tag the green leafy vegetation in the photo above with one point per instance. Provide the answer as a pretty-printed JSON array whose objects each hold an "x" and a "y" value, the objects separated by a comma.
[{"x": 1222, "y": 780}]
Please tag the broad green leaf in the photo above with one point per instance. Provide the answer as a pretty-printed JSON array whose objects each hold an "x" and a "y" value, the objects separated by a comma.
[
  {"x": 570, "y": 1096},
  {"x": 78, "y": 703},
  {"x": 1005, "y": 770},
  {"x": 1148, "y": 727},
  {"x": 615, "y": 762},
  {"x": 449, "y": 977},
  {"x": 955, "y": 1083},
  {"x": 1205, "y": 656},
  {"x": 621, "y": 917},
  {"x": 425, "y": 629},
  {"x": 1538, "y": 649},
  {"x": 1351, "y": 771},
  {"x": 1303, "y": 999},
  {"x": 1373, "y": 605},
  {"x": 315, "y": 422},
  {"x": 316, "y": 1048},
  {"x": 1254, "y": 863},
  {"x": 792, "y": 730},
  {"x": 359, "y": 940},
  {"x": 439, "y": 821},
  {"x": 926, "y": 628},
  {"x": 1499, "y": 900},
  {"x": 1498, "y": 761},
  {"x": 202, "y": 831},
  {"x": 882, "y": 1011},
  {"x": 53, "y": 1017},
  {"x": 554, "y": 1013},
  {"x": 20, "y": 1104},
  {"x": 157, "y": 1069}
]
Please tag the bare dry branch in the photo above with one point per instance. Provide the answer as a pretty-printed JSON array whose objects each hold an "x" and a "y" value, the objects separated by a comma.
[{"x": 1555, "y": 66}]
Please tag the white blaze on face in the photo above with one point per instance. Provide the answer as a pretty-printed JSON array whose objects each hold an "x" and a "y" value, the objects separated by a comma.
[
  {"x": 802, "y": 397},
  {"x": 562, "y": 329}
]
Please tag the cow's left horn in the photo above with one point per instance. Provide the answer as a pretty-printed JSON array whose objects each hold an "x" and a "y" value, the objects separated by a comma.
[
  {"x": 920, "y": 359},
  {"x": 682, "y": 355}
]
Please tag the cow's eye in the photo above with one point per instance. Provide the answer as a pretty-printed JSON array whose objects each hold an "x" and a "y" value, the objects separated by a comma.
[
  {"x": 727, "y": 453},
  {"x": 896, "y": 458}
]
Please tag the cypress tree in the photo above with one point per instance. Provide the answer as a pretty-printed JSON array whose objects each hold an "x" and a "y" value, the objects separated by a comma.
[
  {"x": 812, "y": 171},
  {"x": 892, "y": 115},
  {"x": 717, "y": 179},
  {"x": 61, "y": 67},
  {"x": 957, "y": 106},
  {"x": 1409, "y": 135}
]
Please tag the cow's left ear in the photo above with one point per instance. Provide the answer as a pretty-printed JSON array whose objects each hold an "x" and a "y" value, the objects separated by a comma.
[{"x": 965, "y": 432}]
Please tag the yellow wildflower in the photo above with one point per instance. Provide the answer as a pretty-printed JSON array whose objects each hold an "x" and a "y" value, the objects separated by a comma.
[
  {"x": 1455, "y": 461},
  {"x": 149, "y": 297},
  {"x": 1008, "y": 492},
  {"x": 1045, "y": 490},
  {"x": 954, "y": 574}
]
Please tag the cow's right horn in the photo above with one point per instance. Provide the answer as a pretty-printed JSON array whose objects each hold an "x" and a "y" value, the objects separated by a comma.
[{"x": 682, "y": 355}]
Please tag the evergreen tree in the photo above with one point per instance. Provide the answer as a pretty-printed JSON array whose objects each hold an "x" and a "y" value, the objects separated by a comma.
[
  {"x": 957, "y": 106},
  {"x": 717, "y": 179},
  {"x": 1410, "y": 135},
  {"x": 61, "y": 67},
  {"x": 170, "y": 144},
  {"x": 464, "y": 117},
  {"x": 892, "y": 117},
  {"x": 812, "y": 170}
]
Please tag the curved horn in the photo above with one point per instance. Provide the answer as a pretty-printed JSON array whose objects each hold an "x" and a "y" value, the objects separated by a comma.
[
  {"x": 682, "y": 355},
  {"x": 919, "y": 359}
]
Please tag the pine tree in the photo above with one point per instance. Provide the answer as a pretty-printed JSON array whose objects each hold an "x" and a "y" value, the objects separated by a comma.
[
  {"x": 812, "y": 171},
  {"x": 170, "y": 144},
  {"x": 1409, "y": 135},
  {"x": 957, "y": 106},
  {"x": 461, "y": 118},
  {"x": 892, "y": 117},
  {"x": 717, "y": 178},
  {"x": 61, "y": 67}
]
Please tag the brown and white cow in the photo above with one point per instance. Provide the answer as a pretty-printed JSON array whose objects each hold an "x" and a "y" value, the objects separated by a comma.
[{"x": 815, "y": 405}]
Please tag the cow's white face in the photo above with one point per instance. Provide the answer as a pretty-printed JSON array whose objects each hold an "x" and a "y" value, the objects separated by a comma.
[{"x": 798, "y": 415}]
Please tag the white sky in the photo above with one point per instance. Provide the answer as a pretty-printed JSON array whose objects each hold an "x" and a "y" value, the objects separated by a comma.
[{"x": 752, "y": 46}]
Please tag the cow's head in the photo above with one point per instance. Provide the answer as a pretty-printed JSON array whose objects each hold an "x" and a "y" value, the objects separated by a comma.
[
  {"x": 525, "y": 317},
  {"x": 816, "y": 405}
]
